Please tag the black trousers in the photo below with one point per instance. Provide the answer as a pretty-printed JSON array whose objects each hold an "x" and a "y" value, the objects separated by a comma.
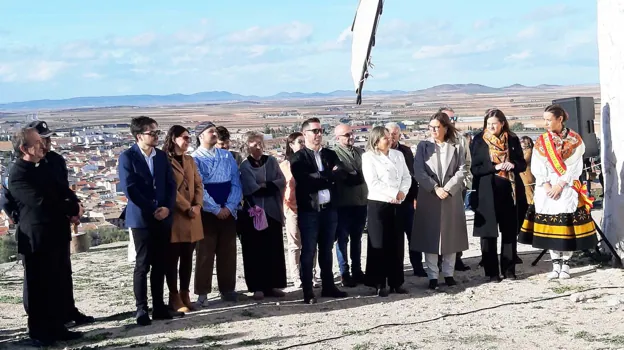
[
  {"x": 151, "y": 247},
  {"x": 506, "y": 217},
  {"x": 385, "y": 251},
  {"x": 179, "y": 252},
  {"x": 42, "y": 276}
]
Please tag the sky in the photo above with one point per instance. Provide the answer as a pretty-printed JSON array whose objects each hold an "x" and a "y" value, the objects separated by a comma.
[{"x": 71, "y": 48}]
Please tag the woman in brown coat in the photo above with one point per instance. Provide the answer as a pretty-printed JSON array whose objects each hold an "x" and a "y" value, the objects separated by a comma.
[
  {"x": 187, "y": 225},
  {"x": 527, "y": 175}
]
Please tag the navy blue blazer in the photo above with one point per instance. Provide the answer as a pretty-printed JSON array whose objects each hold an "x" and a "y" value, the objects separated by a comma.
[{"x": 146, "y": 193}]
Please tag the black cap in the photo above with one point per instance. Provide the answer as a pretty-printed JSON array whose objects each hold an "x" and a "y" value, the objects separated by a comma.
[
  {"x": 203, "y": 127},
  {"x": 42, "y": 128}
]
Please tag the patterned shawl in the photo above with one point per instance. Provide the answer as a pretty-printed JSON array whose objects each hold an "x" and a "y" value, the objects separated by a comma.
[
  {"x": 499, "y": 153},
  {"x": 565, "y": 143}
]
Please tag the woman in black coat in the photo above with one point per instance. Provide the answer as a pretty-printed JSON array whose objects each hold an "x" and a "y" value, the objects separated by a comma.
[{"x": 499, "y": 201}]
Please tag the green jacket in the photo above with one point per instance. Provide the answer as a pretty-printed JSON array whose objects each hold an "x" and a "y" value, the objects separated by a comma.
[{"x": 352, "y": 190}]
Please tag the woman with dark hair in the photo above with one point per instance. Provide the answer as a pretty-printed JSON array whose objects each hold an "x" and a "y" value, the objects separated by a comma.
[
  {"x": 388, "y": 180},
  {"x": 262, "y": 242},
  {"x": 187, "y": 224},
  {"x": 294, "y": 142},
  {"x": 499, "y": 201},
  {"x": 440, "y": 220},
  {"x": 527, "y": 175},
  {"x": 559, "y": 218}
]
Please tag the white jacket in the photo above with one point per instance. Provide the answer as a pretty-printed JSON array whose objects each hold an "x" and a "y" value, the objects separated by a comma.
[{"x": 385, "y": 175}]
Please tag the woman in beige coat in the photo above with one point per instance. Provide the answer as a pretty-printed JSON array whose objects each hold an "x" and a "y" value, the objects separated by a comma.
[
  {"x": 187, "y": 225},
  {"x": 440, "y": 221}
]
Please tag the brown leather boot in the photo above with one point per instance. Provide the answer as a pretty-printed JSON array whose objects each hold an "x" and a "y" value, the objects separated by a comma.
[
  {"x": 186, "y": 300},
  {"x": 176, "y": 303}
]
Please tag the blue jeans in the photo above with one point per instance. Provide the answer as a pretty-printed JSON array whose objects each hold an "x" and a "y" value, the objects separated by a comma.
[
  {"x": 467, "y": 199},
  {"x": 351, "y": 221},
  {"x": 317, "y": 229}
]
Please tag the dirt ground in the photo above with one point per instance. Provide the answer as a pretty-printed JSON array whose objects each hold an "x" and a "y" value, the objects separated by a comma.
[{"x": 529, "y": 313}]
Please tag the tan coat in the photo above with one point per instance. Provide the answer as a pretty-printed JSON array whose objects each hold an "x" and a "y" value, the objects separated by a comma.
[
  {"x": 190, "y": 193},
  {"x": 439, "y": 225}
]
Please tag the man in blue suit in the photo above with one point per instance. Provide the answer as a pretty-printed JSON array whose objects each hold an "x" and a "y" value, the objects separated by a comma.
[{"x": 146, "y": 178}]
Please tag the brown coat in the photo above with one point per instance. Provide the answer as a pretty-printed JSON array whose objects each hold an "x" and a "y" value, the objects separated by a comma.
[
  {"x": 527, "y": 176},
  {"x": 190, "y": 193}
]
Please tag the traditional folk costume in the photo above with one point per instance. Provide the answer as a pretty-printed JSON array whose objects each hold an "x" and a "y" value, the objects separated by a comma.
[{"x": 562, "y": 225}]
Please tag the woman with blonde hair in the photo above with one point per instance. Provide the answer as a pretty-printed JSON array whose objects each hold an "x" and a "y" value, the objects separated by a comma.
[
  {"x": 261, "y": 220},
  {"x": 187, "y": 223},
  {"x": 440, "y": 219},
  {"x": 388, "y": 180}
]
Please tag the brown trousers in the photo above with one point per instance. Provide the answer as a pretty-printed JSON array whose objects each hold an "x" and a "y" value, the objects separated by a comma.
[{"x": 220, "y": 240}]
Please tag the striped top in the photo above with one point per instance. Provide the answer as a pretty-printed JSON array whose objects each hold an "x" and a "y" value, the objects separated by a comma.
[{"x": 218, "y": 166}]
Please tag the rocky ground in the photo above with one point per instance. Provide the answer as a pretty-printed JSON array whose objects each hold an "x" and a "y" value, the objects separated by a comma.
[{"x": 529, "y": 313}]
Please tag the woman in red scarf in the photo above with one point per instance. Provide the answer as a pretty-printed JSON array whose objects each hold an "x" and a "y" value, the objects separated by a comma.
[
  {"x": 559, "y": 219},
  {"x": 499, "y": 201}
]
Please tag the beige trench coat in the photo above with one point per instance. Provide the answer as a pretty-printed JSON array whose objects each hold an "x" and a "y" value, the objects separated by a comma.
[{"x": 439, "y": 225}]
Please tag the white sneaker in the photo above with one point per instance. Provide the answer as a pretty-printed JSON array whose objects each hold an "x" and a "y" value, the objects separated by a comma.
[{"x": 565, "y": 271}]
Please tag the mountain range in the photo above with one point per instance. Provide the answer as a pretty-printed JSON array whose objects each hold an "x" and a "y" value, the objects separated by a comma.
[{"x": 225, "y": 96}]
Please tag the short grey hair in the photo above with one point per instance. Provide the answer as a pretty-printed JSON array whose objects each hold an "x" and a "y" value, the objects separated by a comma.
[
  {"x": 20, "y": 139},
  {"x": 392, "y": 125},
  {"x": 251, "y": 136},
  {"x": 445, "y": 108},
  {"x": 373, "y": 138}
]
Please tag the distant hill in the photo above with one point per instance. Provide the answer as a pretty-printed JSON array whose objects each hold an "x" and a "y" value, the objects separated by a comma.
[{"x": 225, "y": 96}]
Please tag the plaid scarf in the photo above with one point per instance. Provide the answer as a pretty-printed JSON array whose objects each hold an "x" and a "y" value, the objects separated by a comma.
[{"x": 499, "y": 153}]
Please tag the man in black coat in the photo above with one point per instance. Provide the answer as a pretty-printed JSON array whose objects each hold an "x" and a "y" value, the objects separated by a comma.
[
  {"x": 315, "y": 169},
  {"x": 408, "y": 206},
  {"x": 45, "y": 207}
]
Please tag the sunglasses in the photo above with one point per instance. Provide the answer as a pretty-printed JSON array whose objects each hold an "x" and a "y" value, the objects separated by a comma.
[
  {"x": 347, "y": 135},
  {"x": 315, "y": 131},
  {"x": 153, "y": 133},
  {"x": 434, "y": 128},
  {"x": 186, "y": 138}
]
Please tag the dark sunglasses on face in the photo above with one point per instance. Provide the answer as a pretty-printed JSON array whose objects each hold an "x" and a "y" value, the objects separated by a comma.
[
  {"x": 186, "y": 138},
  {"x": 434, "y": 128},
  {"x": 315, "y": 131},
  {"x": 348, "y": 135},
  {"x": 152, "y": 133}
]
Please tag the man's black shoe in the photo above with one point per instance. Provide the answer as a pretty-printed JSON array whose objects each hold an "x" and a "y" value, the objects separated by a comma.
[
  {"x": 359, "y": 277},
  {"x": 333, "y": 293},
  {"x": 142, "y": 318},
  {"x": 460, "y": 266},
  {"x": 420, "y": 272},
  {"x": 162, "y": 313},
  {"x": 398, "y": 290},
  {"x": 347, "y": 281},
  {"x": 382, "y": 292},
  {"x": 81, "y": 319},
  {"x": 309, "y": 298},
  {"x": 450, "y": 281}
]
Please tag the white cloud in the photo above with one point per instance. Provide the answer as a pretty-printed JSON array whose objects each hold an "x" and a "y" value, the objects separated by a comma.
[
  {"x": 45, "y": 70},
  {"x": 528, "y": 33},
  {"x": 7, "y": 73},
  {"x": 483, "y": 24},
  {"x": 141, "y": 40},
  {"x": 519, "y": 56},
  {"x": 78, "y": 50},
  {"x": 345, "y": 35},
  {"x": 290, "y": 33},
  {"x": 465, "y": 47},
  {"x": 258, "y": 50}
]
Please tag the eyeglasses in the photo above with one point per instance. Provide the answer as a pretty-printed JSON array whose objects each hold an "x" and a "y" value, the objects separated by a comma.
[
  {"x": 153, "y": 133},
  {"x": 315, "y": 131},
  {"x": 453, "y": 119},
  {"x": 434, "y": 128},
  {"x": 347, "y": 135},
  {"x": 186, "y": 138}
]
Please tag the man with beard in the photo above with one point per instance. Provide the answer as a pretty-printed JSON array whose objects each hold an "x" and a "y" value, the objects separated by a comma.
[
  {"x": 45, "y": 206},
  {"x": 351, "y": 203},
  {"x": 408, "y": 206},
  {"x": 223, "y": 142}
]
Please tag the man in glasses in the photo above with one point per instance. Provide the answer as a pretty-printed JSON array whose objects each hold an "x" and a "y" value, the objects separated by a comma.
[
  {"x": 146, "y": 178},
  {"x": 315, "y": 170},
  {"x": 408, "y": 206},
  {"x": 459, "y": 264},
  {"x": 351, "y": 201}
]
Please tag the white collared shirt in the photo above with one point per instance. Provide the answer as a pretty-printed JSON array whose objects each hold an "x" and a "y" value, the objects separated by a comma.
[
  {"x": 385, "y": 176},
  {"x": 324, "y": 196},
  {"x": 149, "y": 160}
]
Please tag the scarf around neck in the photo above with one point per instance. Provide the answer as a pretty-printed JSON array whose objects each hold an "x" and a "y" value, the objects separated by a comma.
[{"x": 499, "y": 153}]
